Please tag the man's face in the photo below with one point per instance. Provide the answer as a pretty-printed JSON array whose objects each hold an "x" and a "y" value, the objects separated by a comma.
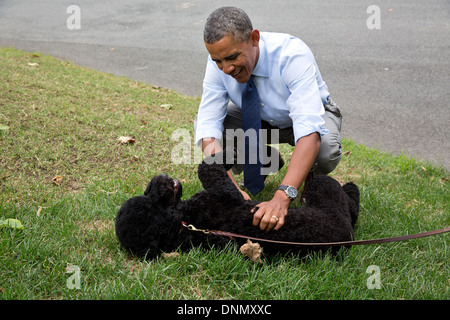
[{"x": 236, "y": 58}]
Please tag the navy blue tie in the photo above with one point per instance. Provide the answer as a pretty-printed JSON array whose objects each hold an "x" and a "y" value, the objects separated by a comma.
[{"x": 251, "y": 120}]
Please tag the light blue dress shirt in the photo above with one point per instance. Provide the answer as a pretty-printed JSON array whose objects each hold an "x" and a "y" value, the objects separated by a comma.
[{"x": 289, "y": 83}]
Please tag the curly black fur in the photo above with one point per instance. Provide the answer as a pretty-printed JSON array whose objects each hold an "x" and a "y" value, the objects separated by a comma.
[{"x": 151, "y": 224}]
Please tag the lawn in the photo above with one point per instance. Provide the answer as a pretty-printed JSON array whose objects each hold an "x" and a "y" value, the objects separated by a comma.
[{"x": 64, "y": 174}]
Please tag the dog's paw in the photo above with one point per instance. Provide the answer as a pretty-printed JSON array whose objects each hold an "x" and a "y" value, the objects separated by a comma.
[{"x": 227, "y": 158}]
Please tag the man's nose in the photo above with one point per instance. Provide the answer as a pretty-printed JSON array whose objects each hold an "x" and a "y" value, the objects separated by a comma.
[{"x": 228, "y": 68}]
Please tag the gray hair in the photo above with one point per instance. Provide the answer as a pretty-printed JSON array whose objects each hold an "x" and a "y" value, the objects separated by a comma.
[{"x": 227, "y": 21}]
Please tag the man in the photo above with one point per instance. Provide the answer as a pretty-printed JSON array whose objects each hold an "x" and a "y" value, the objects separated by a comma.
[{"x": 293, "y": 100}]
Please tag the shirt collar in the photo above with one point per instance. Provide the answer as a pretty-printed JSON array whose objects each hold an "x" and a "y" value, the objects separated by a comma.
[{"x": 261, "y": 69}]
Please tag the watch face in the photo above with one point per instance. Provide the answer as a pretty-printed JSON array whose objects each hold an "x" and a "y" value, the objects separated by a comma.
[{"x": 292, "y": 192}]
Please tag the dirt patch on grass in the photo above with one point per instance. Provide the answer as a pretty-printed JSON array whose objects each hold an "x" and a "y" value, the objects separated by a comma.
[{"x": 102, "y": 226}]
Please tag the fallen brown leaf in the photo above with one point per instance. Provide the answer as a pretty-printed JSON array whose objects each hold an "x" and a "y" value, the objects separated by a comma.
[
  {"x": 57, "y": 180},
  {"x": 166, "y": 106},
  {"x": 125, "y": 140},
  {"x": 252, "y": 250}
]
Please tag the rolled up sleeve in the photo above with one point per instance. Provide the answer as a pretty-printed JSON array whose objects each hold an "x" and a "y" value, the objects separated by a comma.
[{"x": 213, "y": 106}]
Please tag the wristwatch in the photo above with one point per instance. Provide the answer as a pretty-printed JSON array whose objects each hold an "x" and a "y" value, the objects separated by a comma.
[{"x": 291, "y": 191}]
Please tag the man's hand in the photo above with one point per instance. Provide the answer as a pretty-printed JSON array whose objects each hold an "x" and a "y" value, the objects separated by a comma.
[{"x": 270, "y": 214}]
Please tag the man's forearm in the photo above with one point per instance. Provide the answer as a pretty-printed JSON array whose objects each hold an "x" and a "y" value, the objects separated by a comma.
[
  {"x": 270, "y": 214},
  {"x": 302, "y": 160}
]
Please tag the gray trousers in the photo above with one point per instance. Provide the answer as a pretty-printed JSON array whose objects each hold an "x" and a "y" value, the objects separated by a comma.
[{"x": 330, "y": 146}]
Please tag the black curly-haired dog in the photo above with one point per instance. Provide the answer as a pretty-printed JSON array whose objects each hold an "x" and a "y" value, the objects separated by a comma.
[{"x": 150, "y": 224}]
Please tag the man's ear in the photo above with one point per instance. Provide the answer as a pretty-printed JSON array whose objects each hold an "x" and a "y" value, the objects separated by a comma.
[{"x": 254, "y": 36}]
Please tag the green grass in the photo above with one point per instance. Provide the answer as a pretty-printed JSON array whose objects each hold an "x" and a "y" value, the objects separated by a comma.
[{"x": 60, "y": 119}]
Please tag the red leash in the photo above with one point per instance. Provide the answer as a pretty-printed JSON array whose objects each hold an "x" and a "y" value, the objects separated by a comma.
[{"x": 343, "y": 243}]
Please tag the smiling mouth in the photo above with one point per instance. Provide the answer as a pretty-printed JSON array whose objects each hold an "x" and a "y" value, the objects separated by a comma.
[{"x": 236, "y": 73}]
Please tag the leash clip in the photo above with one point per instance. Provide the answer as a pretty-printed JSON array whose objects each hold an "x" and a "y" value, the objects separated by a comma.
[{"x": 192, "y": 228}]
